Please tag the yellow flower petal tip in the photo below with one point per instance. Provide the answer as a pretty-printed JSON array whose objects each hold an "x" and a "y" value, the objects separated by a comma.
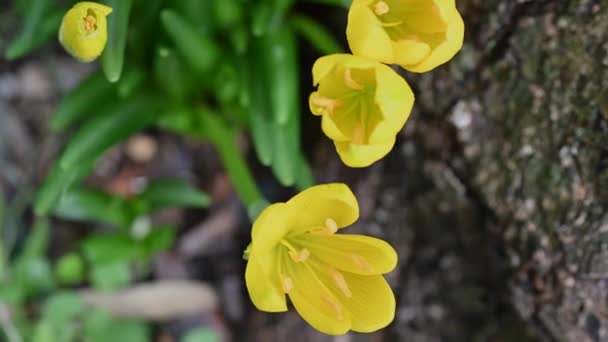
[
  {"x": 335, "y": 281},
  {"x": 419, "y": 35},
  {"x": 363, "y": 105},
  {"x": 84, "y": 30}
]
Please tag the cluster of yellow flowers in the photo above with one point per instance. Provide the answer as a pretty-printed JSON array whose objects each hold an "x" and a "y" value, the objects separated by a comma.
[{"x": 334, "y": 280}]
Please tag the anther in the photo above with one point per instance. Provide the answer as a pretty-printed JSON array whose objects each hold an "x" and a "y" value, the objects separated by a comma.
[
  {"x": 357, "y": 138},
  {"x": 327, "y": 103},
  {"x": 362, "y": 264},
  {"x": 287, "y": 284},
  {"x": 381, "y": 8},
  {"x": 350, "y": 82},
  {"x": 331, "y": 225},
  {"x": 90, "y": 22},
  {"x": 334, "y": 305},
  {"x": 300, "y": 256},
  {"x": 338, "y": 278}
]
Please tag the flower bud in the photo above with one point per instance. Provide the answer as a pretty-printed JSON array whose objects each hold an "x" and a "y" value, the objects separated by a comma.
[{"x": 84, "y": 30}]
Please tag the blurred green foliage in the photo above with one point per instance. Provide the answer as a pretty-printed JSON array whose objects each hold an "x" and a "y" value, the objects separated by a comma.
[{"x": 209, "y": 70}]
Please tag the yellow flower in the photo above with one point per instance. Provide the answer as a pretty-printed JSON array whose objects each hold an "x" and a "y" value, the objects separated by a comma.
[
  {"x": 363, "y": 105},
  {"x": 419, "y": 35},
  {"x": 84, "y": 30},
  {"x": 334, "y": 281}
]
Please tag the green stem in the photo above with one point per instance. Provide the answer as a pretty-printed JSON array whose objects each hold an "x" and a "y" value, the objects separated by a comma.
[{"x": 225, "y": 139}]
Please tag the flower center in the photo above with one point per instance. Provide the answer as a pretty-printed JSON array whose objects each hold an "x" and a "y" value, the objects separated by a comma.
[
  {"x": 401, "y": 20},
  {"x": 90, "y": 21}
]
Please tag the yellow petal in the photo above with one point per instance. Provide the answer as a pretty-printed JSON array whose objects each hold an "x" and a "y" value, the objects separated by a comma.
[
  {"x": 394, "y": 97},
  {"x": 270, "y": 227},
  {"x": 410, "y": 52},
  {"x": 85, "y": 45},
  {"x": 262, "y": 283},
  {"x": 366, "y": 36},
  {"x": 314, "y": 301},
  {"x": 313, "y": 206},
  {"x": 331, "y": 129},
  {"x": 358, "y": 254},
  {"x": 446, "y": 50},
  {"x": 372, "y": 305},
  {"x": 363, "y": 155}
]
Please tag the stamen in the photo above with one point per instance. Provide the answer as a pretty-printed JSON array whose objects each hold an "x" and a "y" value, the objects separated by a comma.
[
  {"x": 334, "y": 305},
  {"x": 287, "y": 284},
  {"x": 357, "y": 138},
  {"x": 90, "y": 22},
  {"x": 331, "y": 225},
  {"x": 362, "y": 264},
  {"x": 413, "y": 37},
  {"x": 381, "y": 8},
  {"x": 350, "y": 82},
  {"x": 338, "y": 278},
  {"x": 327, "y": 103},
  {"x": 300, "y": 256}
]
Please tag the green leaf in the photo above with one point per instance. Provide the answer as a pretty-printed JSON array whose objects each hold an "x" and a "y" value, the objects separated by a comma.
[
  {"x": 337, "y": 3},
  {"x": 316, "y": 34},
  {"x": 172, "y": 75},
  {"x": 170, "y": 193},
  {"x": 92, "y": 205},
  {"x": 85, "y": 98},
  {"x": 261, "y": 17},
  {"x": 32, "y": 31},
  {"x": 56, "y": 182},
  {"x": 69, "y": 269},
  {"x": 113, "y": 56},
  {"x": 37, "y": 242},
  {"x": 198, "y": 49},
  {"x": 134, "y": 77},
  {"x": 260, "y": 120},
  {"x": 159, "y": 240},
  {"x": 110, "y": 248},
  {"x": 62, "y": 307},
  {"x": 280, "y": 56},
  {"x": 111, "y": 276},
  {"x": 202, "y": 335},
  {"x": 132, "y": 331},
  {"x": 119, "y": 121},
  {"x": 305, "y": 178}
]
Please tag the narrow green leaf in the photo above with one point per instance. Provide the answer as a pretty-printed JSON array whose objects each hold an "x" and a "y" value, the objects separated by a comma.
[
  {"x": 133, "y": 78},
  {"x": 56, "y": 182},
  {"x": 171, "y": 74},
  {"x": 198, "y": 49},
  {"x": 225, "y": 140},
  {"x": 122, "y": 119},
  {"x": 113, "y": 56},
  {"x": 260, "y": 120},
  {"x": 316, "y": 34},
  {"x": 32, "y": 29},
  {"x": 337, "y": 3},
  {"x": 170, "y": 193},
  {"x": 36, "y": 34},
  {"x": 262, "y": 17},
  {"x": 37, "y": 241},
  {"x": 280, "y": 56},
  {"x": 86, "y": 97},
  {"x": 92, "y": 205}
]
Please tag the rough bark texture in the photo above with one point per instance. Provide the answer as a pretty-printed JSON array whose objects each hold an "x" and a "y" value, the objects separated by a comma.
[
  {"x": 495, "y": 195},
  {"x": 497, "y": 192}
]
